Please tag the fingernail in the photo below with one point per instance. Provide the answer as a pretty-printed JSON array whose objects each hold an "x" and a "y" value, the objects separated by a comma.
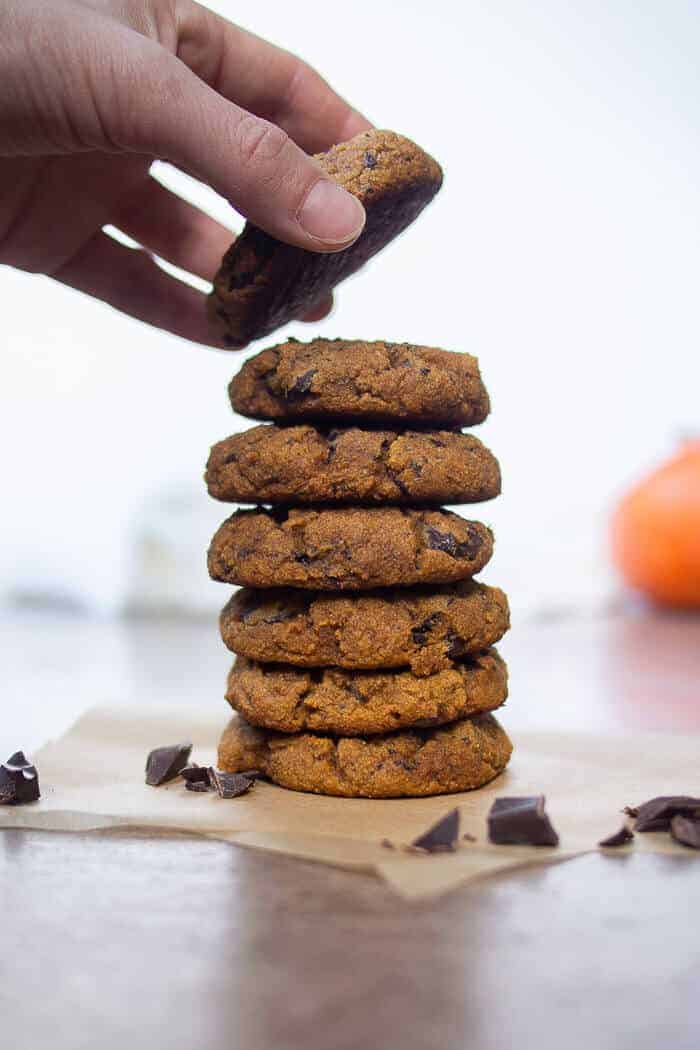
[{"x": 330, "y": 214}]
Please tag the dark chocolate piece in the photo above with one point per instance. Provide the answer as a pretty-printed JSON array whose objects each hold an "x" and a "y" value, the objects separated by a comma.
[
  {"x": 620, "y": 838},
  {"x": 656, "y": 814},
  {"x": 686, "y": 831},
  {"x": 521, "y": 821},
  {"x": 302, "y": 383},
  {"x": 448, "y": 543},
  {"x": 229, "y": 785},
  {"x": 165, "y": 763},
  {"x": 421, "y": 632},
  {"x": 198, "y": 785},
  {"x": 195, "y": 774},
  {"x": 442, "y": 836},
  {"x": 252, "y": 774},
  {"x": 19, "y": 781}
]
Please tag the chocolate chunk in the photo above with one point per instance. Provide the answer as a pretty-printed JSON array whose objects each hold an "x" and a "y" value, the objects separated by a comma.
[
  {"x": 165, "y": 763},
  {"x": 240, "y": 280},
  {"x": 421, "y": 632},
  {"x": 370, "y": 160},
  {"x": 197, "y": 785},
  {"x": 230, "y": 785},
  {"x": 449, "y": 544},
  {"x": 281, "y": 616},
  {"x": 195, "y": 774},
  {"x": 19, "y": 760},
  {"x": 656, "y": 814},
  {"x": 252, "y": 774},
  {"x": 686, "y": 831},
  {"x": 620, "y": 838},
  {"x": 279, "y": 514},
  {"x": 521, "y": 821},
  {"x": 19, "y": 781},
  {"x": 302, "y": 383},
  {"x": 442, "y": 836},
  {"x": 455, "y": 647}
]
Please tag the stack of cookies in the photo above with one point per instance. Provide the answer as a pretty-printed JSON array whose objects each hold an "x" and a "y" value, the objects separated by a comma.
[{"x": 365, "y": 661}]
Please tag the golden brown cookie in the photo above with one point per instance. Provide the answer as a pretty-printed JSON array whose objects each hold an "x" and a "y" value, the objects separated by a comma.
[
  {"x": 355, "y": 703},
  {"x": 348, "y": 548},
  {"x": 263, "y": 283},
  {"x": 305, "y": 464},
  {"x": 411, "y": 762},
  {"x": 352, "y": 380},
  {"x": 424, "y": 628}
]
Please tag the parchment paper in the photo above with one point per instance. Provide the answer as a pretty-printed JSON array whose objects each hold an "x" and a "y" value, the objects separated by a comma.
[{"x": 93, "y": 778}]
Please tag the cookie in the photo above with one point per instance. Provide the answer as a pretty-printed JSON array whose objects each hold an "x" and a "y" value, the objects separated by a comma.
[
  {"x": 355, "y": 703},
  {"x": 263, "y": 283},
  {"x": 348, "y": 548},
  {"x": 411, "y": 762},
  {"x": 425, "y": 629},
  {"x": 305, "y": 464},
  {"x": 349, "y": 380}
]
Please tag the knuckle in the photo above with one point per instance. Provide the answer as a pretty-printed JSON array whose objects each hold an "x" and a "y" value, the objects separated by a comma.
[
  {"x": 260, "y": 143},
  {"x": 300, "y": 74}
]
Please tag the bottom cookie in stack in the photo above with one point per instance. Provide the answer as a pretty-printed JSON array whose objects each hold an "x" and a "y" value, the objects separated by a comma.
[{"x": 459, "y": 756}]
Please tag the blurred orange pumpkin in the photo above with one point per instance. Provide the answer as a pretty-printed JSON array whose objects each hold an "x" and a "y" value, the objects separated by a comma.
[{"x": 656, "y": 531}]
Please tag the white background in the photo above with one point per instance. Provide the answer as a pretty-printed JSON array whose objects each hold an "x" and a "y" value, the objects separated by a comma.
[{"x": 562, "y": 250}]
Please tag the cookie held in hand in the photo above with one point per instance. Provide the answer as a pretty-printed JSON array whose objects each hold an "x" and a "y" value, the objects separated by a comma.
[{"x": 264, "y": 283}]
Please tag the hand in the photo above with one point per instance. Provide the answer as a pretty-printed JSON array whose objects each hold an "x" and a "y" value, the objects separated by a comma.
[{"x": 94, "y": 90}]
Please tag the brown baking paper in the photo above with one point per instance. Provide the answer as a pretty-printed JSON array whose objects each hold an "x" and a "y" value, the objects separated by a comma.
[{"x": 93, "y": 778}]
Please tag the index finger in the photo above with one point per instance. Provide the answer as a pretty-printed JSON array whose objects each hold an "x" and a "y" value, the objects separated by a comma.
[{"x": 265, "y": 80}]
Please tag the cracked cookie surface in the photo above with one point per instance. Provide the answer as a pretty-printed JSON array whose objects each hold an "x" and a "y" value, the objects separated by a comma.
[
  {"x": 409, "y": 763},
  {"x": 263, "y": 284},
  {"x": 355, "y": 703},
  {"x": 426, "y": 629},
  {"x": 353, "y": 380},
  {"x": 306, "y": 464},
  {"x": 349, "y": 548}
]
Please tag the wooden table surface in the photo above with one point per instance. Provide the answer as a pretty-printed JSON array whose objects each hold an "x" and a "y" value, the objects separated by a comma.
[{"x": 116, "y": 941}]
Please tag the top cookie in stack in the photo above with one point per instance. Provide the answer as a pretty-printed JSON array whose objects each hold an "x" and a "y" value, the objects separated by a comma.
[{"x": 362, "y": 452}]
